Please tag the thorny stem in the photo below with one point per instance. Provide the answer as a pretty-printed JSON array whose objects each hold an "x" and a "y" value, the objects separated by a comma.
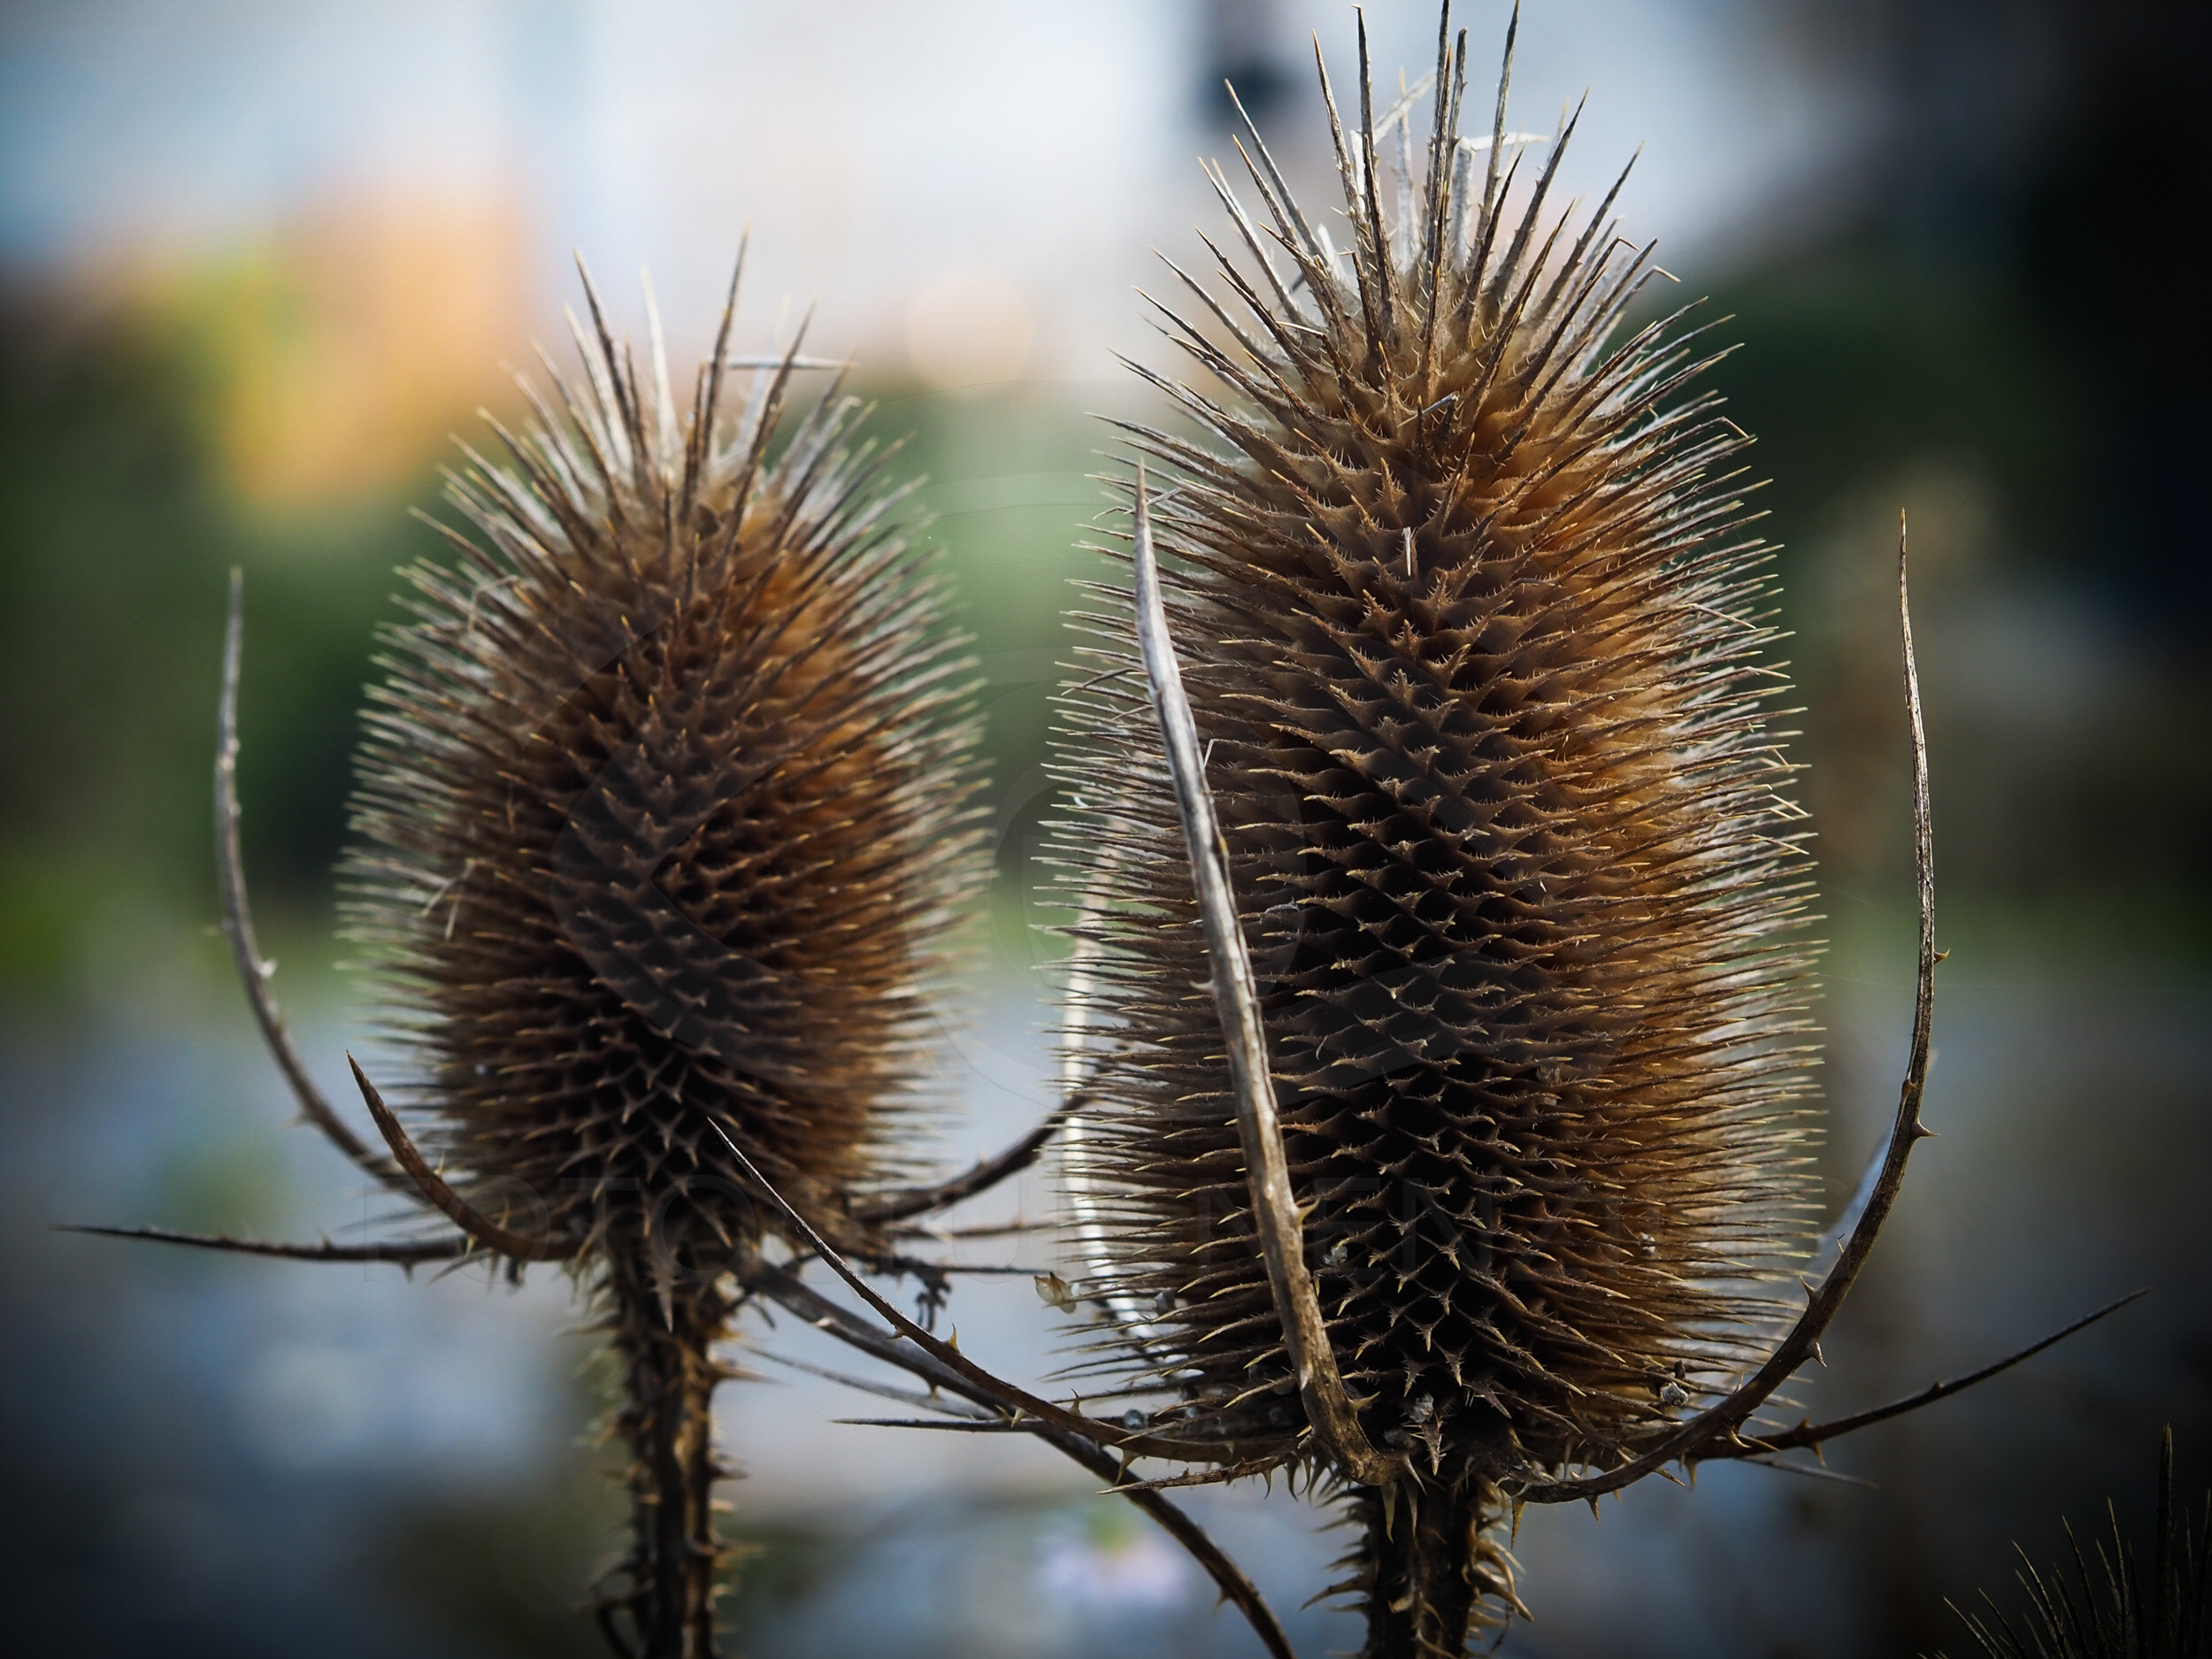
[
  {"x": 434, "y": 1191},
  {"x": 1814, "y": 1434},
  {"x": 787, "y": 1290},
  {"x": 408, "y": 1253},
  {"x": 253, "y": 970},
  {"x": 1427, "y": 1563},
  {"x": 1006, "y": 1396},
  {"x": 667, "y": 1353},
  {"x": 980, "y": 1176}
]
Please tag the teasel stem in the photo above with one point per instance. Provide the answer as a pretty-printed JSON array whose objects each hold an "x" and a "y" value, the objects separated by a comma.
[
  {"x": 406, "y": 1253},
  {"x": 253, "y": 968},
  {"x": 1429, "y": 1566},
  {"x": 942, "y": 1365},
  {"x": 980, "y": 1176},
  {"x": 665, "y": 1336},
  {"x": 1008, "y": 1396},
  {"x": 439, "y": 1195}
]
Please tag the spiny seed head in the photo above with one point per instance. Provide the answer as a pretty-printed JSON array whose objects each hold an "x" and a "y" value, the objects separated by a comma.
[
  {"x": 664, "y": 814},
  {"x": 1474, "y": 637},
  {"x": 2106, "y": 1612}
]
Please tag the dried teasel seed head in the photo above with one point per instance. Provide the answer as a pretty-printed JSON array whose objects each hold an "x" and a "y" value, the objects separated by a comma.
[
  {"x": 1475, "y": 641},
  {"x": 663, "y": 820},
  {"x": 664, "y": 813}
]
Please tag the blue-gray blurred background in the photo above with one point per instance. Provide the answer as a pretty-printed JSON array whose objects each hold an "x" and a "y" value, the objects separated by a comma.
[{"x": 258, "y": 260}]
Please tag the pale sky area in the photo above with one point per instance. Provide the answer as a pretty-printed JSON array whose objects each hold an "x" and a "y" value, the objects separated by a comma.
[{"x": 922, "y": 170}]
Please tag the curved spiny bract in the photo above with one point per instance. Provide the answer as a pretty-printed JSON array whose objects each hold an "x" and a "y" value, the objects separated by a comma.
[
  {"x": 1474, "y": 634},
  {"x": 663, "y": 817}
]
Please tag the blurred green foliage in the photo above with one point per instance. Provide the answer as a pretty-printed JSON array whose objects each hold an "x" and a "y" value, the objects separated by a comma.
[
  {"x": 1009, "y": 500},
  {"x": 1850, "y": 368},
  {"x": 119, "y": 531},
  {"x": 2069, "y": 708}
]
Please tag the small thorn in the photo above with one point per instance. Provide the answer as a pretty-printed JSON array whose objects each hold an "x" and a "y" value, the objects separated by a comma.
[{"x": 1921, "y": 1132}]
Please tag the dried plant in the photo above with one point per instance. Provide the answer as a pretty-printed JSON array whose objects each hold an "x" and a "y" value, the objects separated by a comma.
[
  {"x": 664, "y": 822},
  {"x": 1447, "y": 974},
  {"x": 1468, "y": 830},
  {"x": 2105, "y": 1613},
  {"x": 1475, "y": 644}
]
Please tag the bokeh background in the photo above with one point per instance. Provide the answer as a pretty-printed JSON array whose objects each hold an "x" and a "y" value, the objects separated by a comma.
[{"x": 258, "y": 259}]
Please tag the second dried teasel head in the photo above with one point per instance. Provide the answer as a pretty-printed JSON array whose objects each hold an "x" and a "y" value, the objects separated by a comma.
[
  {"x": 1438, "y": 1042},
  {"x": 1475, "y": 641}
]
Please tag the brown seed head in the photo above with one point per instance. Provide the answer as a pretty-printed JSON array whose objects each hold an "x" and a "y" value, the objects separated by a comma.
[
  {"x": 1474, "y": 635},
  {"x": 664, "y": 815}
]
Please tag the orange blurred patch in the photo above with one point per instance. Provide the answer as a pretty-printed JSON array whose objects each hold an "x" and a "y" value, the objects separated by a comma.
[{"x": 339, "y": 353}]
